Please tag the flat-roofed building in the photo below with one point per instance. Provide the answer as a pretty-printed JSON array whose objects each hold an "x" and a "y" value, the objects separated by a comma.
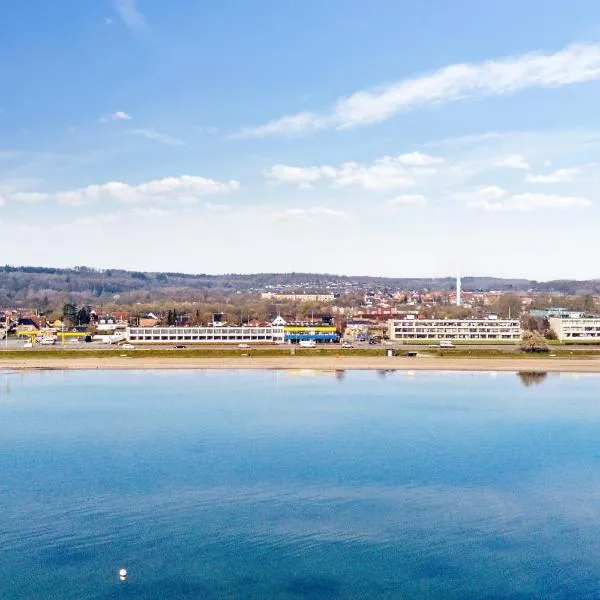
[
  {"x": 576, "y": 328},
  {"x": 546, "y": 313},
  {"x": 326, "y": 297},
  {"x": 205, "y": 335},
  {"x": 491, "y": 329},
  {"x": 294, "y": 334}
]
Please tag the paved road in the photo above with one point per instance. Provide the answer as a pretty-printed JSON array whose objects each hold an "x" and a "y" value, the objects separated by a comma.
[{"x": 14, "y": 344}]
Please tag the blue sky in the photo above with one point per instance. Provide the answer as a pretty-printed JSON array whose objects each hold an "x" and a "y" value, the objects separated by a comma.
[{"x": 393, "y": 138}]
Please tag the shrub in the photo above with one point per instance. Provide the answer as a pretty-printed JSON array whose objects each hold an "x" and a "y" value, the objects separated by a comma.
[{"x": 533, "y": 342}]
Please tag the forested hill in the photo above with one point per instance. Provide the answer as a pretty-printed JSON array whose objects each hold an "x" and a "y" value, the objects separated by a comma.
[{"x": 83, "y": 283}]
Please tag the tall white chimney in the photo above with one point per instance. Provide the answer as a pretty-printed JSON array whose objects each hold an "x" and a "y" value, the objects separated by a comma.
[{"x": 458, "y": 289}]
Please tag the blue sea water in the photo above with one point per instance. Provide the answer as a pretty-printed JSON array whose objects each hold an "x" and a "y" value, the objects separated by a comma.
[{"x": 299, "y": 485}]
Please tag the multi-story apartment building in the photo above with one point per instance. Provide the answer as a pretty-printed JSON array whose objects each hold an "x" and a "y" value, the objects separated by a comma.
[
  {"x": 491, "y": 329},
  {"x": 576, "y": 328}
]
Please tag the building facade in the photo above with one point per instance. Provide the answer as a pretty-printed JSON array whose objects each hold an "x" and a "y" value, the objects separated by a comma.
[
  {"x": 546, "y": 313},
  {"x": 205, "y": 335},
  {"x": 298, "y": 297},
  {"x": 573, "y": 328},
  {"x": 455, "y": 329},
  {"x": 294, "y": 334}
]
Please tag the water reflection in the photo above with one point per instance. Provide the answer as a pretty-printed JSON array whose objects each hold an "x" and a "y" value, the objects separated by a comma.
[
  {"x": 529, "y": 378},
  {"x": 382, "y": 373}
]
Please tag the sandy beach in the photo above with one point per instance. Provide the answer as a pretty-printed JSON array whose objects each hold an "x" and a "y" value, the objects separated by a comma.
[{"x": 329, "y": 363}]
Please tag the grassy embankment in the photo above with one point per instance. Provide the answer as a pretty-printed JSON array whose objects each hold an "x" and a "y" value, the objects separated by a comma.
[
  {"x": 281, "y": 352},
  {"x": 185, "y": 353},
  {"x": 458, "y": 342},
  {"x": 499, "y": 342}
]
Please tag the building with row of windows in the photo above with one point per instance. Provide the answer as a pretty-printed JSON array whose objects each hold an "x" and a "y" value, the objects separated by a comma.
[
  {"x": 576, "y": 328},
  {"x": 327, "y": 297},
  {"x": 206, "y": 335},
  {"x": 491, "y": 329},
  {"x": 319, "y": 334}
]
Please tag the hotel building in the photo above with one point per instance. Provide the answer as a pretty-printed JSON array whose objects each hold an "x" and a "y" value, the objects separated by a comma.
[
  {"x": 576, "y": 328},
  {"x": 205, "y": 335},
  {"x": 491, "y": 329}
]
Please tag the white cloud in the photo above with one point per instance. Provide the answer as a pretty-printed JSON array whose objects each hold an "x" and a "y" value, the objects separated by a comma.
[
  {"x": 529, "y": 202},
  {"x": 305, "y": 187},
  {"x": 131, "y": 16},
  {"x": 560, "y": 176},
  {"x": 152, "y": 134},
  {"x": 490, "y": 192},
  {"x": 304, "y": 122},
  {"x": 384, "y": 174},
  {"x": 418, "y": 159},
  {"x": 407, "y": 199},
  {"x": 116, "y": 116},
  {"x": 184, "y": 190},
  {"x": 574, "y": 64},
  {"x": 514, "y": 161},
  {"x": 308, "y": 214},
  {"x": 288, "y": 174},
  {"x": 483, "y": 198},
  {"x": 30, "y": 197},
  {"x": 2, "y": 201}
]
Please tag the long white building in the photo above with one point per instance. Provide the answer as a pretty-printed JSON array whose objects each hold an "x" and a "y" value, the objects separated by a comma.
[
  {"x": 576, "y": 328},
  {"x": 326, "y": 297},
  {"x": 491, "y": 329},
  {"x": 205, "y": 335}
]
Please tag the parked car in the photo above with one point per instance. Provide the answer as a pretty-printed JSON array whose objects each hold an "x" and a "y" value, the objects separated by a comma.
[
  {"x": 347, "y": 345},
  {"x": 308, "y": 344},
  {"x": 180, "y": 347},
  {"x": 446, "y": 344},
  {"x": 128, "y": 346},
  {"x": 243, "y": 345}
]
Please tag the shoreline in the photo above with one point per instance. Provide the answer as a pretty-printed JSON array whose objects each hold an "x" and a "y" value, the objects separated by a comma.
[{"x": 326, "y": 363}]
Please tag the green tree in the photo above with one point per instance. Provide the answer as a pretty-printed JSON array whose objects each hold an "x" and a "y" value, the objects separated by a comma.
[
  {"x": 69, "y": 314},
  {"x": 83, "y": 315}
]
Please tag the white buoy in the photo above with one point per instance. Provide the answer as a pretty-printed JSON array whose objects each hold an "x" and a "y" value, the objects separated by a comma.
[{"x": 123, "y": 574}]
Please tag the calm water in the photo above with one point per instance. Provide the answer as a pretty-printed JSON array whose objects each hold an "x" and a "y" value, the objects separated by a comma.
[{"x": 298, "y": 486}]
